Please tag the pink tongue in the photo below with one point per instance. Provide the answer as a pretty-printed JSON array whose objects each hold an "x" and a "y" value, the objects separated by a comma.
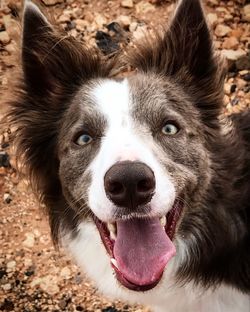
[{"x": 142, "y": 250}]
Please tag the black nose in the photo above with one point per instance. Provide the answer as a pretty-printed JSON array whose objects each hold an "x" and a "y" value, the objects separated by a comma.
[{"x": 129, "y": 184}]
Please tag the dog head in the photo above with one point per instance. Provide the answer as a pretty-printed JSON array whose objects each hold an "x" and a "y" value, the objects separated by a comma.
[{"x": 132, "y": 155}]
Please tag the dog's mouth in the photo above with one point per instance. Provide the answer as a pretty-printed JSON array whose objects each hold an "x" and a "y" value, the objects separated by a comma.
[{"x": 140, "y": 248}]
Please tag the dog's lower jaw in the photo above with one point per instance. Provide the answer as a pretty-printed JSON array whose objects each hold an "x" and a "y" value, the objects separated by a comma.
[
  {"x": 92, "y": 257},
  {"x": 90, "y": 254}
]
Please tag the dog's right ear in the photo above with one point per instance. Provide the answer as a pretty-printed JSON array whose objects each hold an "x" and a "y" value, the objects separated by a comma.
[
  {"x": 55, "y": 64},
  {"x": 36, "y": 39}
]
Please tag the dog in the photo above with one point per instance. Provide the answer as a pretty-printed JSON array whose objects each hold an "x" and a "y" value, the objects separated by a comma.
[{"x": 145, "y": 180}]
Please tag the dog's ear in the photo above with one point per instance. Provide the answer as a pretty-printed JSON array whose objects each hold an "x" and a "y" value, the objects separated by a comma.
[
  {"x": 36, "y": 42},
  {"x": 185, "y": 53},
  {"x": 54, "y": 63},
  {"x": 190, "y": 40},
  {"x": 186, "y": 44}
]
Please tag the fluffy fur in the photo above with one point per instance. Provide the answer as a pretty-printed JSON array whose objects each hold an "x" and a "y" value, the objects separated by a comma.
[{"x": 66, "y": 90}]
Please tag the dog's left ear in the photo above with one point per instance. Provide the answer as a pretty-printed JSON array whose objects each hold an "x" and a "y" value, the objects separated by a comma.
[
  {"x": 189, "y": 40},
  {"x": 186, "y": 44},
  {"x": 185, "y": 53}
]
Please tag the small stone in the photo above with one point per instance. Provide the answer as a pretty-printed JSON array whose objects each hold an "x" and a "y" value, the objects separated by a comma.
[
  {"x": 29, "y": 241},
  {"x": 4, "y": 159},
  {"x": 52, "y": 2},
  {"x": 246, "y": 13},
  {"x": 230, "y": 43},
  {"x": 29, "y": 272},
  {"x": 227, "y": 88},
  {"x": 233, "y": 88},
  {"x": 235, "y": 101},
  {"x": 65, "y": 273},
  {"x": 217, "y": 44},
  {"x": 238, "y": 32},
  {"x": 37, "y": 233},
  {"x": 47, "y": 283},
  {"x": 4, "y": 37},
  {"x": 7, "y": 198},
  {"x": 70, "y": 25},
  {"x": 11, "y": 264},
  {"x": 213, "y": 2},
  {"x": 10, "y": 48},
  {"x": 81, "y": 24},
  {"x": 64, "y": 18},
  {"x": 28, "y": 262},
  {"x": 12, "y": 27},
  {"x": 221, "y": 10},
  {"x": 212, "y": 18},
  {"x": 110, "y": 309},
  {"x": 222, "y": 30},
  {"x": 6, "y": 287},
  {"x": 241, "y": 83},
  {"x": 62, "y": 304},
  {"x": 100, "y": 20},
  {"x": 124, "y": 20},
  {"x": 246, "y": 77},
  {"x": 243, "y": 62},
  {"x": 73, "y": 33},
  {"x": 89, "y": 17},
  {"x": 127, "y": 4},
  {"x": 2, "y": 273},
  {"x": 144, "y": 7},
  {"x": 228, "y": 17},
  {"x": 232, "y": 55}
]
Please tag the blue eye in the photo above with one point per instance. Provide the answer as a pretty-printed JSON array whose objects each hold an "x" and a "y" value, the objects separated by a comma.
[
  {"x": 170, "y": 129},
  {"x": 84, "y": 139}
]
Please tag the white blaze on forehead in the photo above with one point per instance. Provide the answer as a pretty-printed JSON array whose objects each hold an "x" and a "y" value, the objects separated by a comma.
[
  {"x": 113, "y": 99},
  {"x": 121, "y": 142}
]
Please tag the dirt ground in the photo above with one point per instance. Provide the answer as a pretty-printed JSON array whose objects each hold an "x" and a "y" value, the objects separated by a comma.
[{"x": 33, "y": 275}]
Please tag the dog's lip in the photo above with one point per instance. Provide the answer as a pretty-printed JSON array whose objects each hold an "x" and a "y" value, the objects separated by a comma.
[{"x": 172, "y": 219}]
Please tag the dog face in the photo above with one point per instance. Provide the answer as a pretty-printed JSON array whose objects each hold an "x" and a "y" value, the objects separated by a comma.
[
  {"x": 134, "y": 166},
  {"x": 131, "y": 155}
]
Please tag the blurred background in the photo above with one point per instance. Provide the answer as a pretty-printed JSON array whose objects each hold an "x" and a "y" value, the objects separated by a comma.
[{"x": 33, "y": 276}]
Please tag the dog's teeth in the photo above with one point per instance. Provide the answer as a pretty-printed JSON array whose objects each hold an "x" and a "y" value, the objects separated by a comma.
[
  {"x": 113, "y": 235},
  {"x": 112, "y": 230},
  {"x": 114, "y": 262},
  {"x": 163, "y": 221}
]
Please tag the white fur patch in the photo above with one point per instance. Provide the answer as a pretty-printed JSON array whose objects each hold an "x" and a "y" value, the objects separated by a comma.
[
  {"x": 121, "y": 143},
  {"x": 90, "y": 254}
]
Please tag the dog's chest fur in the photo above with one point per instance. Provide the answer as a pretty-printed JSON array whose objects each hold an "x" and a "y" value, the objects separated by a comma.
[{"x": 166, "y": 297}]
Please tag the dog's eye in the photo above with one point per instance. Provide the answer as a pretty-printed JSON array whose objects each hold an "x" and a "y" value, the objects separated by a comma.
[
  {"x": 170, "y": 129},
  {"x": 84, "y": 139}
]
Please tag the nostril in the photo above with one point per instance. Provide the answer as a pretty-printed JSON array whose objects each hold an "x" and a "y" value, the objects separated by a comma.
[
  {"x": 115, "y": 188},
  {"x": 145, "y": 185}
]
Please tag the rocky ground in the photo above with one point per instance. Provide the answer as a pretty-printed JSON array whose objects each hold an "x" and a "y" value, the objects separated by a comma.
[{"x": 33, "y": 276}]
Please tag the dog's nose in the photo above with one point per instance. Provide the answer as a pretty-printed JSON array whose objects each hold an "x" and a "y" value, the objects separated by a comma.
[{"x": 129, "y": 184}]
